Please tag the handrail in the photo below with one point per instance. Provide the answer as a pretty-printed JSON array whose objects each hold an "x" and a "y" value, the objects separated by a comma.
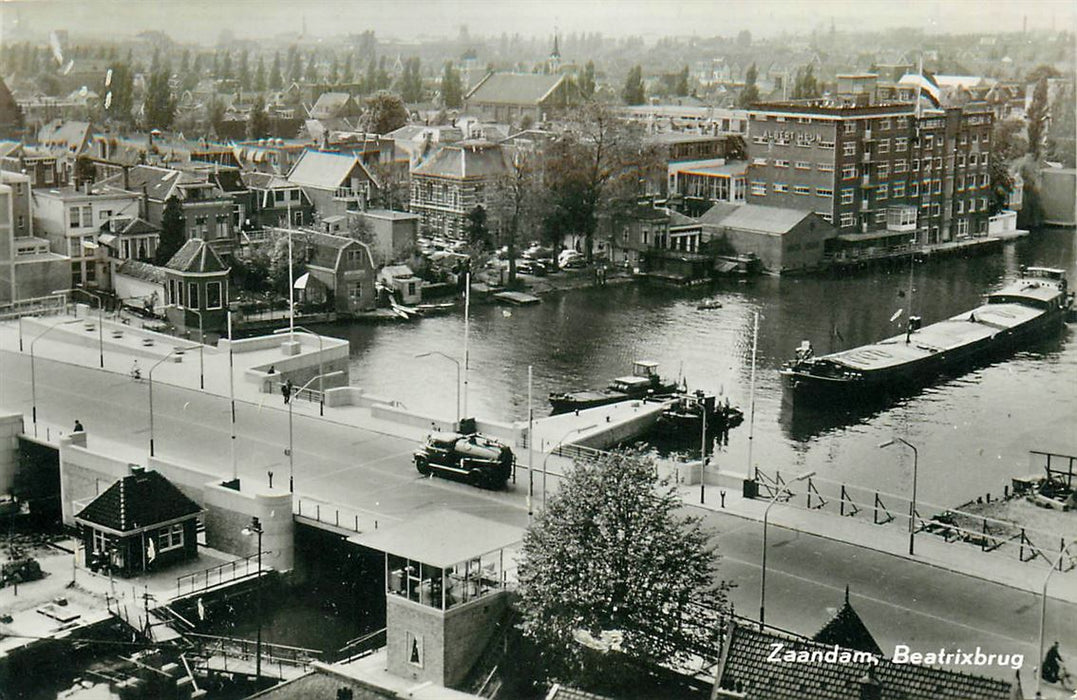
[{"x": 216, "y": 571}]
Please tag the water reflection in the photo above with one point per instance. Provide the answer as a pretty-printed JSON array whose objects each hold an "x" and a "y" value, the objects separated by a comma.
[{"x": 973, "y": 430}]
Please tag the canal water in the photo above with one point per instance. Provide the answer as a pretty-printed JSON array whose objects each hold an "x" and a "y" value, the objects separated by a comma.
[{"x": 973, "y": 430}]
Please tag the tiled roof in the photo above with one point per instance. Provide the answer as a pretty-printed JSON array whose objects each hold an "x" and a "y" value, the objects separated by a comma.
[
  {"x": 131, "y": 227},
  {"x": 158, "y": 183},
  {"x": 326, "y": 240},
  {"x": 846, "y": 629},
  {"x": 764, "y": 219},
  {"x": 265, "y": 181},
  {"x": 142, "y": 270},
  {"x": 196, "y": 256},
  {"x": 466, "y": 159},
  {"x": 68, "y": 134},
  {"x": 746, "y": 668},
  {"x": 325, "y": 170},
  {"x": 514, "y": 88},
  {"x": 717, "y": 213},
  {"x": 137, "y": 501}
]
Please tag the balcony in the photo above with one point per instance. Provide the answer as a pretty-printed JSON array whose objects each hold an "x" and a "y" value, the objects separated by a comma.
[
  {"x": 867, "y": 135},
  {"x": 866, "y": 158}
]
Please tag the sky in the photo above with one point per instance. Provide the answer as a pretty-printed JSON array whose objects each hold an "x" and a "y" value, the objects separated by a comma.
[{"x": 202, "y": 20}]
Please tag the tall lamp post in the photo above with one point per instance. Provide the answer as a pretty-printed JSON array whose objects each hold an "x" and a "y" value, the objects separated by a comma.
[
  {"x": 100, "y": 321},
  {"x": 321, "y": 356},
  {"x": 150, "y": 375},
  {"x": 255, "y": 528},
  {"x": 291, "y": 400},
  {"x": 455, "y": 362},
  {"x": 33, "y": 373},
  {"x": 912, "y": 502},
  {"x": 766, "y": 516},
  {"x": 1043, "y": 617},
  {"x": 555, "y": 448},
  {"x": 201, "y": 348}
]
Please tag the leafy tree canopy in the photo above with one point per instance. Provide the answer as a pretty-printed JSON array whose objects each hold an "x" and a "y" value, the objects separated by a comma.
[{"x": 612, "y": 556}]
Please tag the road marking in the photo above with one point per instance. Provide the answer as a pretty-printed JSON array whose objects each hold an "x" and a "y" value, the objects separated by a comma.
[{"x": 878, "y": 601}]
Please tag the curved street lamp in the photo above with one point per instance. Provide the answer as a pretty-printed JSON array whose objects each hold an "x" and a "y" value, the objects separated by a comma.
[
  {"x": 455, "y": 362},
  {"x": 766, "y": 515},
  {"x": 556, "y": 447},
  {"x": 912, "y": 502},
  {"x": 33, "y": 373},
  {"x": 321, "y": 361},
  {"x": 172, "y": 352},
  {"x": 291, "y": 401},
  {"x": 100, "y": 320},
  {"x": 255, "y": 528}
]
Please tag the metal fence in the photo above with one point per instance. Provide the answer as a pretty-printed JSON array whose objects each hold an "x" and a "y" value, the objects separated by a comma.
[
  {"x": 216, "y": 575},
  {"x": 38, "y": 306},
  {"x": 951, "y": 524},
  {"x": 246, "y": 650}
]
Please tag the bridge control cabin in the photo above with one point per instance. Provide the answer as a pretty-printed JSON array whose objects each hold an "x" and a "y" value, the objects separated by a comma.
[{"x": 447, "y": 575}]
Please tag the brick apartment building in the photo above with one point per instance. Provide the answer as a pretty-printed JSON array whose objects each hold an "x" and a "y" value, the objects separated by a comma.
[{"x": 874, "y": 168}]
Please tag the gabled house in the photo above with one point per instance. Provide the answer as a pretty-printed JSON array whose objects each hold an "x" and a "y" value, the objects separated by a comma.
[
  {"x": 140, "y": 523},
  {"x": 39, "y": 164},
  {"x": 509, "y": 97},
  {"x": 340, "y": 272},
  {"x": 129, "y": 238},
  {"x": 208, "y": 212},
  {"x": 272, "y": 199},
  {"x": 335, "y": 105},
  {"x": 335, "y": 183}
]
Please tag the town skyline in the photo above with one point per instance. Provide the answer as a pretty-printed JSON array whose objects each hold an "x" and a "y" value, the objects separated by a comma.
[{"x": 441, "y": 19}]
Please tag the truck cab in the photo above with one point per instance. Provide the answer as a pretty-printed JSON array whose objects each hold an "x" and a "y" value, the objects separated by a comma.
[{"x": 476, "y": 459}]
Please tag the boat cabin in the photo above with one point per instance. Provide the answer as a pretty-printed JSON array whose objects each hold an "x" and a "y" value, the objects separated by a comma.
[
  {"x": 635, "y": 386},
  {"x": 645, "y": 368}
]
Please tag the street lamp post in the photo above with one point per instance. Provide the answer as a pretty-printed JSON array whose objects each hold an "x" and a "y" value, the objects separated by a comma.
[
  {"x": 255, "y": 528},
  {"x": 150, "y": 375},
  {"x": 321, "y": 356},
  {"x": 100, "y": 322},
  {"x": 912, "y": 502},
  {"x": 766, "y": 515},
  {"x": 33, "y": 373},
  {"x": 1043, "y": 618},
  {"x": 201, "y": 348},
  {"x": 556, "y": 446},
  {"x": 455, "y": 362},
  {"x": 291, "y": 401}
]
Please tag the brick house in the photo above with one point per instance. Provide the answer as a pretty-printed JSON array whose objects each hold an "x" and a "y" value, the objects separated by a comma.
[
  {"x": 140, "y": 523},
  {"x": 452, "y": 183}
]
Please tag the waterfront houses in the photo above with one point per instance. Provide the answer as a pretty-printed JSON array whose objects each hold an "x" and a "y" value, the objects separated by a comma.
[{"x": 335, "y": 183}]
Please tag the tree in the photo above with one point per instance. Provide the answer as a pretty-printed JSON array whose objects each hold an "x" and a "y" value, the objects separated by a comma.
[
  {"x": 452, "y": 89},
  {"x": 750, "y": 93},
  {"x": 515, "y": 202},
  {"x": 173, "y": 235},
  {"x": 260, "y": 76},
  {"x": 610, "y": 556},
  {"x": 1009, "y": 148},
  {"x": 275, "y": 81},
  {"x": 476, "y": 229},
  {"x": 805, "y": 86},
  {"x": 411, "y": 81},
  {"x": 258, "y": 123},
  {"x": 334, "y": 72},
  {"x": 1038, "y": 118},
  {"x": 595, "y": 169},
  {"x": 681, "y": 87},
  {"x": 121, "y": 88},
  {"x": 215, "y": 114},
  {"x": 384, "y": 113},
  {"x": 160, "y": 105},
  {"x": 633, "y": 92},
  {"x": 311, "y": 74},
  {"x": 587, "y": 80},
  {"x": 226, "y": 65},
  {"x": 244, "y": 73}
]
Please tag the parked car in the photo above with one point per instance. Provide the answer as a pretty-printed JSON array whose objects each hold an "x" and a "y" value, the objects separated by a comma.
[
  {"x": 531, "y": 267},
  {"x": 476, "y": 459},
  {"x": 570, "y": 259}
]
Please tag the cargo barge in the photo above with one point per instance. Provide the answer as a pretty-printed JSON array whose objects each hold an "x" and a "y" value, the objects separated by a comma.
[{"x": 1035, "y": 305}]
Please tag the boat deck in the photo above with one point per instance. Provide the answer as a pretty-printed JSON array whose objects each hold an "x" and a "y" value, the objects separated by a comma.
[{"x": 964, "y": 329}]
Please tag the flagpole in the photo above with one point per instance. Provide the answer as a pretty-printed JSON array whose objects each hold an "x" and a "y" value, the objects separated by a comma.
[
  {"x": 291, "y": 281},
  {"x": 232, "y": 397},
  {"x": 467, "y": 313},
  {"x": 751, "y": 411}
]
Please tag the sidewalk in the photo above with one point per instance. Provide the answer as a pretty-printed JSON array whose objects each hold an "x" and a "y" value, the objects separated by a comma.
[{"x": 893, "y": 538}]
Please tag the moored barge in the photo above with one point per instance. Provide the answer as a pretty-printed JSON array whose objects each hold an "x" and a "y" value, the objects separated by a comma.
[{"x": 1035, "y": 305}]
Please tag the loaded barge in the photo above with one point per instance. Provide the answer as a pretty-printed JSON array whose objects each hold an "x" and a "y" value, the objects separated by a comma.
[{"x": 1035, "y": 305}]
